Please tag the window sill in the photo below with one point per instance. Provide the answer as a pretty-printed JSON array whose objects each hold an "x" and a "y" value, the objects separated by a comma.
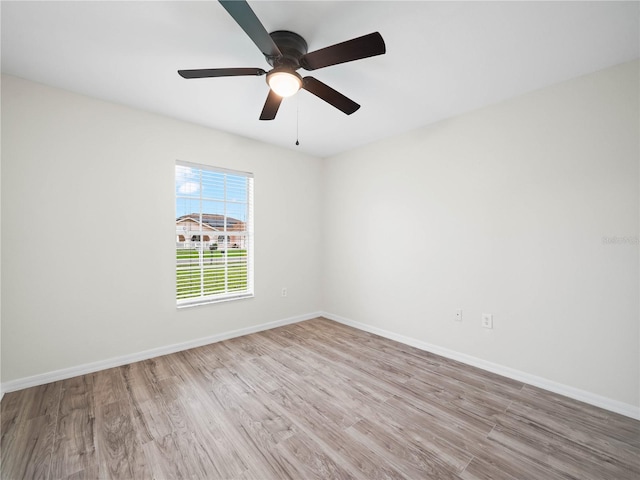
[{"x": 213, "y": 301}]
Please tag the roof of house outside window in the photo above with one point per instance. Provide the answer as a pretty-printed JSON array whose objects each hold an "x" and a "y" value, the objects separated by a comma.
[{"x": 215, "y": 221}]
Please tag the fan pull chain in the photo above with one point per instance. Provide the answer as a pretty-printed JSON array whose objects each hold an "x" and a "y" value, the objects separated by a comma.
[{"x": 297, "y": 122}]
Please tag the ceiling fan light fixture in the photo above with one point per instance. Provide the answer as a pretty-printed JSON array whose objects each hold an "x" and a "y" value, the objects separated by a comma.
[{"x": 284, "y": 83}]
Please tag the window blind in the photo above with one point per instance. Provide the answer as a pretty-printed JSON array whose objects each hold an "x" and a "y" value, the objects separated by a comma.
[{"x": 214, "y": 234}]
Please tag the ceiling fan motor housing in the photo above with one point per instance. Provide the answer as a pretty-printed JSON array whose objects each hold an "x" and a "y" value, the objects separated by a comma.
[{"x": 291, "y": 45}]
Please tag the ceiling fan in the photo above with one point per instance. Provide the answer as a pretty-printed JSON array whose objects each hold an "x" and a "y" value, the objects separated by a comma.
[{"x": 286, "y": 52}]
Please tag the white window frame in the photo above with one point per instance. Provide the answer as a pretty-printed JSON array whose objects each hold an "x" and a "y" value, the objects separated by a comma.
[{"x": 225, "y": 262}]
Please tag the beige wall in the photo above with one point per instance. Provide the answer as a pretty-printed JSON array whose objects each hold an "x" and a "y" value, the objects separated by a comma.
[
  {"x": 510, "y": 211},
  {"x": 66, "y": 155}
]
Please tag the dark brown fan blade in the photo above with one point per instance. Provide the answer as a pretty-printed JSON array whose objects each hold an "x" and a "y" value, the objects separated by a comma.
[
  {"x": 271, "y": 106},
  {"x": 355, "y": 49},
  {"x": 329, "y": 95},
  {"x": 220, "y": 72},
  {"x": 246, "y": 18}
]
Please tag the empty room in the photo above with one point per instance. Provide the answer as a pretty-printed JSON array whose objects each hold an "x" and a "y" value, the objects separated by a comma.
[{"x": 320, "y": 240}]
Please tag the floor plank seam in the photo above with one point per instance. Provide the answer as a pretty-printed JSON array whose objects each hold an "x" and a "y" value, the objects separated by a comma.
[
  {"x": 491, "y": 431},
  {"x": 55, "y": 431},
  {"x": 468, "y": 463},
  {"x": 506, "y": 410}
]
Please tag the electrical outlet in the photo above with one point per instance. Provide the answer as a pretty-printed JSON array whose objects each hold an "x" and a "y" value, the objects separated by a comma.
[
  {"x": 487, "y": 320},
  {"x": 458, "y": 316},
  {"x": 284, "y": 291}
]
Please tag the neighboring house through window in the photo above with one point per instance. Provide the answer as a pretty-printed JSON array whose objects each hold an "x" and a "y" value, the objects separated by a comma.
[{"x": 214, "y": 234}]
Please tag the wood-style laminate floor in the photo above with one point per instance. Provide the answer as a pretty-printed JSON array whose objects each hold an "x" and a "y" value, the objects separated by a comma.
[{"x": 311, "y": 400}]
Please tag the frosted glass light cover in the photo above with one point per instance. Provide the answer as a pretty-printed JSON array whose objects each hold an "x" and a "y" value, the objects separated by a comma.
[{"x": 283, "y": 83}]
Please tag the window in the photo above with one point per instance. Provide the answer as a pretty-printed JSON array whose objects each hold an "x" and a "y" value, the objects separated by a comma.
[{"x": 214, "y": 234}]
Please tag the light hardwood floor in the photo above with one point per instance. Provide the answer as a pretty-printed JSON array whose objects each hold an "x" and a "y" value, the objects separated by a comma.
[{"x": 311, "y": 400}]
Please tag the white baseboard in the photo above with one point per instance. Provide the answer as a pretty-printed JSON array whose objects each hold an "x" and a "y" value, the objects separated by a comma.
[
  {"x": 65, "y": 373},
  {"x": 555, "y": 387},
  {"x": 571, "y": 392}
]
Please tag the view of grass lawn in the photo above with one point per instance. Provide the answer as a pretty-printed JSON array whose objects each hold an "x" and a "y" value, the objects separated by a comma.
[
  {"x": 191, "y": 253},
  {"x": 221, "y": 272}
]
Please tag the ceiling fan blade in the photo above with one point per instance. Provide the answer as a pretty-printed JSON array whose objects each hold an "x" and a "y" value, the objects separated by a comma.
[
  {"x": 329, "y": 95},
  {"x": 249, "y": 22},
  {"x": 220, "y": 72},
  {"x": 355, "y": 49},
  {"x": 271, "y": 106}
]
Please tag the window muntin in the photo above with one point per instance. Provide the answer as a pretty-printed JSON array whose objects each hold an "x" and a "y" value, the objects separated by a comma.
[{"x": 214, "y": 234}]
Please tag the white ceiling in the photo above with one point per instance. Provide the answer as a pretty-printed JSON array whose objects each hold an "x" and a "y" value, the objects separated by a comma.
[{"x": 443, "y": 58}]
